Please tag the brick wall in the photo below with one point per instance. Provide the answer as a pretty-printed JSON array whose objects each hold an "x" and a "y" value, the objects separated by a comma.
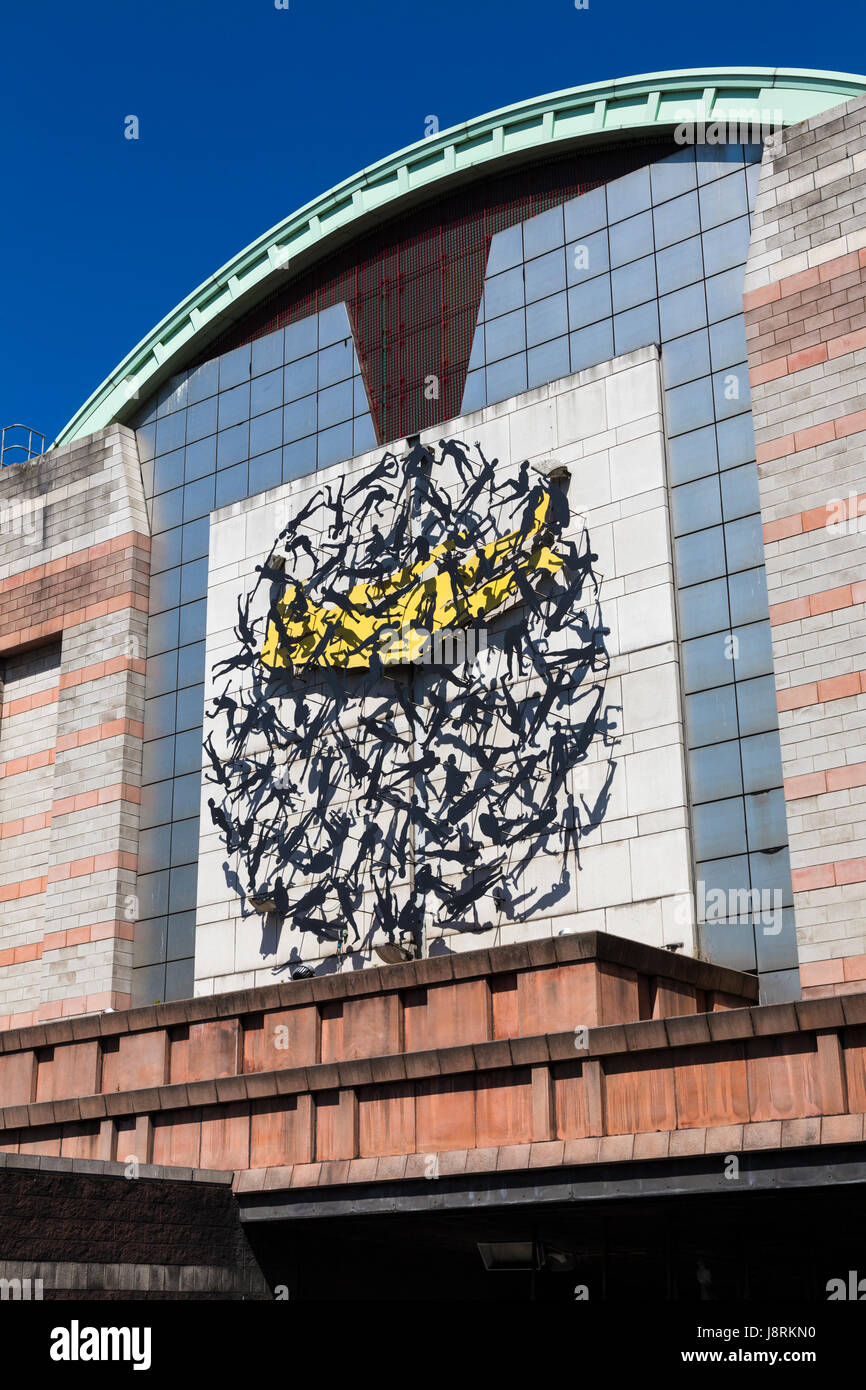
[
  {"x": 28, "y": 735},
  {"x": 805, "y": 305},
  {"x": 73, "y": 615},
  {"x": 93, "y": 1231}
]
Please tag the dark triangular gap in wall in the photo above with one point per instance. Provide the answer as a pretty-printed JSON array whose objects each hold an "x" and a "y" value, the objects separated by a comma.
[{"x": 413, "y": 285}]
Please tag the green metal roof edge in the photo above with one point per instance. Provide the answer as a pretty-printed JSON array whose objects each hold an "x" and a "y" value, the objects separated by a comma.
[{"x": 576, "y": 115}]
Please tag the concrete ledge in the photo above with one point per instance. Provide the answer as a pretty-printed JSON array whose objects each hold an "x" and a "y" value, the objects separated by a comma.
[
  {"x": 579, "y": 946},
  {"x": 611, "y": 1148},
  {"x": 583, "y": 1176},
  {"x": 45, "y": 1163}
]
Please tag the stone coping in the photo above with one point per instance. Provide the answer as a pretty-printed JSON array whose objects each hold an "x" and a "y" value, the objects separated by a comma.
[
  {"x": 100, "y": 1168},
  {"x": 462, "y": 965}
]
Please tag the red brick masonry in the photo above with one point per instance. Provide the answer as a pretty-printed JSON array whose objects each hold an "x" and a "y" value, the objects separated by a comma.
[
  {"x": 806, "y": 318},
  {"x": 42, "y": 602}
]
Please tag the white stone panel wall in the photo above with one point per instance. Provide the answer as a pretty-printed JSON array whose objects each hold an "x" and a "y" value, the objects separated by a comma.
[{"x": 605, "y": 425}]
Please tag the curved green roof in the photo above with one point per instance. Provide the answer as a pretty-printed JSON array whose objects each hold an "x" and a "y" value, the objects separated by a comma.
[{"x": 654, "y": 102}]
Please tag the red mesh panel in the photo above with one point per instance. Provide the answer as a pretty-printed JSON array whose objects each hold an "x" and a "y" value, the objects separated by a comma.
[{"x": 414, "y": 284}]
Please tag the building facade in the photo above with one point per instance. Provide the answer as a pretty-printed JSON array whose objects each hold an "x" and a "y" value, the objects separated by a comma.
[{"x": 434, "y": 672}]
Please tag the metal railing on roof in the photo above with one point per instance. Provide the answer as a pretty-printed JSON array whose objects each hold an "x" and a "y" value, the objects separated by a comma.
[{"x": 13, "y": 448}]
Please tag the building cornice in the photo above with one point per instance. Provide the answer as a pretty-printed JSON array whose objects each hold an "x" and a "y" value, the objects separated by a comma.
[{"x": 585, "y": 116}]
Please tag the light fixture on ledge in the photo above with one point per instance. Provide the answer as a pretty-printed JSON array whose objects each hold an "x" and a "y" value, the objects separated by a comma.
[
  {"x": 392, "y": 954},
  {"x": 262, "y": 904},
  {"x": 551, "y": 468}
]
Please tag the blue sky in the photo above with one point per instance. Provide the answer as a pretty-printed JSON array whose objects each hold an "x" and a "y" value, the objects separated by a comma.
[{"x": 247, "y": 111}]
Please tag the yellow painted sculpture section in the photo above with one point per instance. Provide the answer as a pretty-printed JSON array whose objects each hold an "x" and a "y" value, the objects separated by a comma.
[{"x": 428, "y": 596}]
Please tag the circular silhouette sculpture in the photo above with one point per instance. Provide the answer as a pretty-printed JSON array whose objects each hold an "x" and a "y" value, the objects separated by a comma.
[{"x": 411, "y": 737}]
